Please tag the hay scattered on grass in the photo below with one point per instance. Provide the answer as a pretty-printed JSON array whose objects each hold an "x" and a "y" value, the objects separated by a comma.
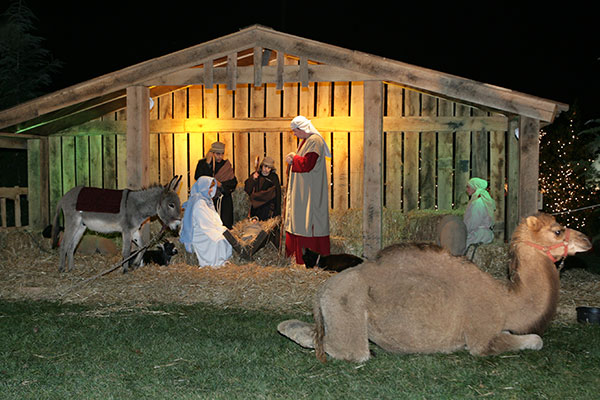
[{"x": 30, "y": 271}]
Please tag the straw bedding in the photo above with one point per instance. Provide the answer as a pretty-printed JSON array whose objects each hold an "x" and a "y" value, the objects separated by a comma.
[{"x": 29, "y": 270}]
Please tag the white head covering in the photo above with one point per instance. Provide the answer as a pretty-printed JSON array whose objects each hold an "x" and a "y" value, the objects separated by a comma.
[
  {"x": 306, "y": 126},
  {"x": 480, "y": 186},
  {"x": 200, "y": 191}
]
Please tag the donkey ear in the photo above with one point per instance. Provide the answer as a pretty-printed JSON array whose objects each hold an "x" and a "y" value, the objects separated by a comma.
[{"x": 174, "y": 182}]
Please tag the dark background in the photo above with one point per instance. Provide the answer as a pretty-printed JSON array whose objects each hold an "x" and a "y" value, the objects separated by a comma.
[{"x": 542, "y": 50}]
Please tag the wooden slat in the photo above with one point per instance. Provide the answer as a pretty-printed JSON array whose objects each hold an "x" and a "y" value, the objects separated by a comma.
[
  {"x": 512, "y": 195},
  {"x": 324, "y": 109},
  {"x": 211, "y": 105},
  {"x": 497, "y": 177},
  {"x": 208, "y": 74},
  {"x": 37, "y": 182},
  {"x": 165, "y": 142},
  {"x": 196, "y": 138},
  {"x": 411, "y": 155},
  {"x": 180, "y": 145},
  {"x": 258, "y": 52},
  {"x": 68, "y": 163},
  {"x": 226, "y": 108},
  {"x": 277, "y": 124},
  {"x": 95, "y": 161},
  {"x": 529, "y": 155},
  {"x": 427, "y": 157},
  {"x": 356, "y": 147},
  {"x": 273, "y": 139},
  {"x": 82, "y": 161},
  {"x": 394, "y": 159},
  {"x": 109, "y": 148},
  {"x": 242, "y": 170},
  {"x": 444, "y": 160},
  {"x": 280, "y": 68},
  {"x": 479, "y": 150},
  {"x": 121, "y": 149},
  {"x": 462, "y": 161},
  {"x": 340, "y": 148},
  {"x": 257, "y": 138},
  {"x": 232, "y": 71},
  {"x": 372, "y": 212},
  {"x": 303, "y": 74},
  {"x": 137, "y": 148}
]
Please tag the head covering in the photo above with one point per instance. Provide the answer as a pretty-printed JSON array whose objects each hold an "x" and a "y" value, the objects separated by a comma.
[
  {"x": 268, "y": 162},
  {"x": 306, "y": 126},
  {"x": 200, "y": 191},
  {"x": 217, "y": 147},
  {"x": 480, "y": 186}
]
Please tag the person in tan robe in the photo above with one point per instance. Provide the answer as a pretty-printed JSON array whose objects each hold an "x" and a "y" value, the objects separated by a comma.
[{"x": 307, "y": 199}]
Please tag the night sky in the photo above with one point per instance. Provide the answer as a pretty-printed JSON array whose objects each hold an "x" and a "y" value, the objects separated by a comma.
[{"x": 539, "y": 50}]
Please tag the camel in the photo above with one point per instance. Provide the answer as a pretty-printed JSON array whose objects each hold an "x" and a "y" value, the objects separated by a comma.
[{"x": 418, "y": 298}]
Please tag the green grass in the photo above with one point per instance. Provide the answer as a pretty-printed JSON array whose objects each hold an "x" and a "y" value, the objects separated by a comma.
[{"x": 52, "y": 351}]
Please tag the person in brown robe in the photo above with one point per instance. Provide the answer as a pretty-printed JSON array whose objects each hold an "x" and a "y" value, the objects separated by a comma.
[{"x": 216, "y": 166}]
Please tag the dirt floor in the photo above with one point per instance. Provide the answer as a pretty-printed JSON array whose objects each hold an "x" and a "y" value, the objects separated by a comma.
[{"x": 29, "y": 270}]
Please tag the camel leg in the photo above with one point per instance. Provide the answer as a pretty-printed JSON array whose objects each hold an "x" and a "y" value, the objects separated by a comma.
[
  {"x": 300, "y": 332},
  {"x": 343, "y": 307},
  {"x": 506, "y": 341}
]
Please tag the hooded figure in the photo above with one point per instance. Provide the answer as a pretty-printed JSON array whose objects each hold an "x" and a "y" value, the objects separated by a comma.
[
  {"x": 264, "y": 190},
  {"x": 221, "y": 169},
  {"x": 307, "y": 199},
  {"x": 479, "y": 215},
  {"x": 202, "y": 230}
]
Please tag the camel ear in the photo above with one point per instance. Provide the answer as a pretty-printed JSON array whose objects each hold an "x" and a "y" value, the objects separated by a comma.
[{"x": 533, "y": 223}]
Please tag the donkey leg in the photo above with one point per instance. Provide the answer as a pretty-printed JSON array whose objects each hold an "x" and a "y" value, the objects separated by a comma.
[
  {"x": 506, "y": 341},
  {"x": 126, "y": 249},
  {"x": 75, "y": 237},
  {"x": 137, "y": 239}
]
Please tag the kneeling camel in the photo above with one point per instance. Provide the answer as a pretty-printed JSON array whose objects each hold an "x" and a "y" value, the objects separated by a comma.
[{"x": 417, "y": 298}]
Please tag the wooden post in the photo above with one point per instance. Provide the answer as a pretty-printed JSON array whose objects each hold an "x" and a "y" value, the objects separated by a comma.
[
  {"x": 373, "y": 177},
  {"x": 37, "y": 186},
  {"x": 138, "y": 136},
  {"x": 512, "y": 172},
  {"x": 529, "y": 158}
]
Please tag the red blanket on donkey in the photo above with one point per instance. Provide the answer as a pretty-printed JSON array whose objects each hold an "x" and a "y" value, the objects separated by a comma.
[{"x": 99, "y": 200}]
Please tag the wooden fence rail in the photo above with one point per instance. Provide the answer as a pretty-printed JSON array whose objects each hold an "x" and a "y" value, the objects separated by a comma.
[{"x": 12, "y": 194}]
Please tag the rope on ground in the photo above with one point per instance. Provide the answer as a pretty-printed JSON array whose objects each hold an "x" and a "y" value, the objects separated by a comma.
[{"x": 154, "y": 240}]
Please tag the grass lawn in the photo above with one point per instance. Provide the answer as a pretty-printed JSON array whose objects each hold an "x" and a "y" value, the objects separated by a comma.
[{"x": 54, "y": 351}]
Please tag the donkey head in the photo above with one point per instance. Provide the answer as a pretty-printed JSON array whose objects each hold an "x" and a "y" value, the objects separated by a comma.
[{"x": 169, "y": 207}]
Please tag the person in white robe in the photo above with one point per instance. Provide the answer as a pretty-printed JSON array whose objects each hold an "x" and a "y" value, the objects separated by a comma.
[{"x": 202, "y": 230}]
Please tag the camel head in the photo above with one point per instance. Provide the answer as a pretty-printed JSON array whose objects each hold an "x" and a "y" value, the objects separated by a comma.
[{"x": 541, "y": 231}]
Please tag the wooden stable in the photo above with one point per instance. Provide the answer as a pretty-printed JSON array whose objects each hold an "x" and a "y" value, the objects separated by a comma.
[{"x": 402, "y": 137}]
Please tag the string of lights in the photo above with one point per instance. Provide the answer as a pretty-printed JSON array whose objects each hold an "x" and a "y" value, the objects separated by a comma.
[{"x": 564, "y": 178}]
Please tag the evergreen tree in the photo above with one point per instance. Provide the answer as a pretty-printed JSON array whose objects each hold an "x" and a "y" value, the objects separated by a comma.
[
  {"x": 566, "y": 174},
  {"x": 25, "y": 66}
]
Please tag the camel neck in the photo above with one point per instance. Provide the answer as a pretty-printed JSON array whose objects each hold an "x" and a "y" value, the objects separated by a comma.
[{"x": 533, "y": 293}]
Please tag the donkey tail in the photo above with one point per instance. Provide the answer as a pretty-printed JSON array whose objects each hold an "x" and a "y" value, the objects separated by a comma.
[{"x": 55, "y": 226}]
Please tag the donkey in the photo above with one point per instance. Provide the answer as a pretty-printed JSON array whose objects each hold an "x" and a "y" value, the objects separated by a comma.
[{"x": 106, "y": 211}]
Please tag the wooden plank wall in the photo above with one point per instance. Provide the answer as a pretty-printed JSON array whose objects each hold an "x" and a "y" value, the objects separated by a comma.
[{"x": 422, "y": 170}]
